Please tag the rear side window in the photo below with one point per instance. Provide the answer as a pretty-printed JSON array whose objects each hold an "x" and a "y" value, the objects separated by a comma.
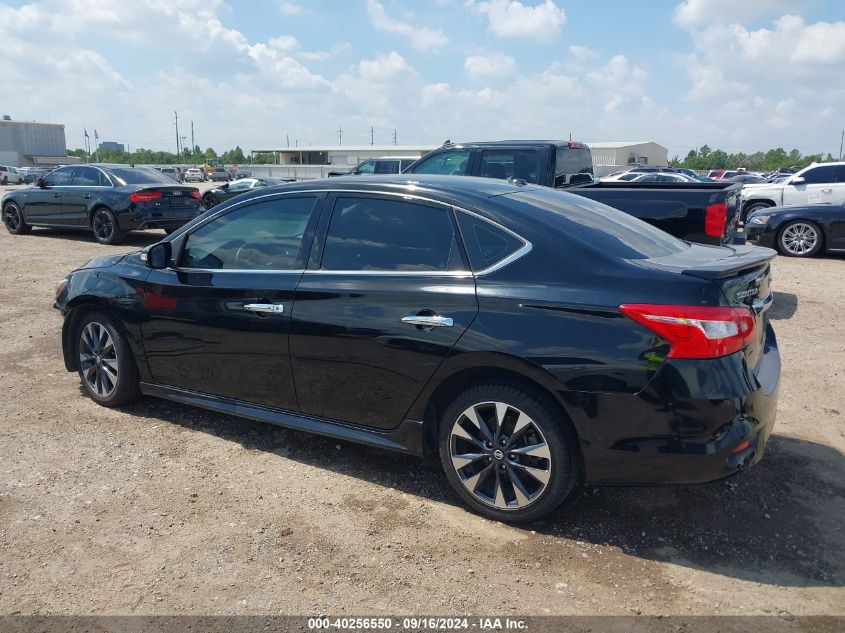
[
  {"x": 601, "y": 227},
  {"x": 486, "y": 243},
  {"x": 374, "y": 234},
  {"x": 89, "y": 177},
  {"x": 386, "y": 167},
  {"x": 573, "y": 165},
  {"x": 450, "y": 162},
  {"x": 524, "y": 164},
  {"x": 266, "y": 235},
  {"x": 820, "y": 175}
]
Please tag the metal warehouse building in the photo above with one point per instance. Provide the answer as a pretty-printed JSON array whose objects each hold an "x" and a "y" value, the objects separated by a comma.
[
  {"x": 612, "y": 156},
  {"x": 24, "y": 143}
]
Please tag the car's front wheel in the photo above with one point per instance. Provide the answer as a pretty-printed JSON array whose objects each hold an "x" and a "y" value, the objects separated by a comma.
[
  {"x": 800, "y": 238},
  {"x": 105, "y": 362},
  {"x": 507, "y": 452},
  {"x": 13, "y": 219}
]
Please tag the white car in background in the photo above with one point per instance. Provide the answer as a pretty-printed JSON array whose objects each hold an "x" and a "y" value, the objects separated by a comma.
[
  {"x": 820, "y": 183},
  {"x": 10, "y": 176},
  {"x": 195, "y": 174}
]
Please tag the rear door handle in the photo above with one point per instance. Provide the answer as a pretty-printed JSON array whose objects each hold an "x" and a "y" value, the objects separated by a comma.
[
  {"x": 428, "y": 321},
  {"x": 87, "y": 195},
  {"x": 57, "y": 195},
  {"x": 827, "y": 190},
  {"x": 265, "y": 308}
]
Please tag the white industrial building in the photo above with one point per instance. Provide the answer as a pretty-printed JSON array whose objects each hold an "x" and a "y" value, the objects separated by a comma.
[
  {"x": 24, "y": 143},
  {"x": 612, "y": 156},
  {"x": 316, "y": 161}
]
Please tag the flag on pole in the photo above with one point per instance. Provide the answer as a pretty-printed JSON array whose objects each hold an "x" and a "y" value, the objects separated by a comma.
[
  {"x": 96, "y": 136},
  {"x": 86, "y": 132}
]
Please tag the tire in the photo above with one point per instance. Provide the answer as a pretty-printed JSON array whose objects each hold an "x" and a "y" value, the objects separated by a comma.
[
  {"x": 495, "y": 479},
  {"x": 14, "y": 221},
  {"x": 754, "y": 206},
  {"x": 800, "y": 238},
  {"x": 105, "y": 362},
  {"x": 209, "y": 201},
  {"x": 105, "y": 227}
]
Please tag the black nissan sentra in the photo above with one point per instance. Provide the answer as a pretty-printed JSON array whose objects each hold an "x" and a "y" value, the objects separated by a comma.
[
  {"x": 106, "y": 199},
  {"x": 531, "y": 338}
]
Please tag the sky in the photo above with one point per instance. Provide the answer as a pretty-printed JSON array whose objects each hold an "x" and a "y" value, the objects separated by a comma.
[{"x": 741, "y": 75}]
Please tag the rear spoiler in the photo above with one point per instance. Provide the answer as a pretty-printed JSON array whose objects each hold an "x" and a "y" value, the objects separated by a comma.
[{"x": 744, "y": 258}]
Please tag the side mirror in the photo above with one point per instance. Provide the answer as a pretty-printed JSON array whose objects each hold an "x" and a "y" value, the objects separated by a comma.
[
  {"x": 798, "y": 180},
  {"x": 158, "y": 255},
  {"x": 39, "y": 182},
  {"x": 225, "y": 185}
]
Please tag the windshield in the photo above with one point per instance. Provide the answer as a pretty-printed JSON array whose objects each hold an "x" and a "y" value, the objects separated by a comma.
[
  {"x": 601, "y": 227},
  {"x": 139, "y": 176}
]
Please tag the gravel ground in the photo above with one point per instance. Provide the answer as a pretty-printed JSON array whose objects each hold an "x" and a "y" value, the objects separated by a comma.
[{"x": 165, "y": 509}]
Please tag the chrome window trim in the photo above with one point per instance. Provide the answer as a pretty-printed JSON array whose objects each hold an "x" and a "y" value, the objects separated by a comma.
[
  {"x": 184, "y": 269},
  {"x": 524, "y": 250}
]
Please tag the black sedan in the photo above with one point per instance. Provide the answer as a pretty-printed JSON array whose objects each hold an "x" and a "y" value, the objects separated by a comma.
[
  {"x": 213, "y": 197},
  {"x": 531, "y": 338},
  {"x": 800, "y": 230},
  {"x": 106, "y": 199}
]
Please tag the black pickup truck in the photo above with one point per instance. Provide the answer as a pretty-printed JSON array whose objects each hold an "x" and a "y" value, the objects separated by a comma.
[{"x": 699, "y": 212}]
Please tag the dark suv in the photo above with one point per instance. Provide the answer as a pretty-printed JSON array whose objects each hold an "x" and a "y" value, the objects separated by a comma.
[
  {"x": 531, "y": 338},
  {"x": 550, "y": 163}
]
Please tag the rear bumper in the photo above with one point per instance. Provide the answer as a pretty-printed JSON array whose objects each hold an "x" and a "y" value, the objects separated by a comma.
[
  {"x": 697, "y": 421},
  {"x": 164, "y": 219}
]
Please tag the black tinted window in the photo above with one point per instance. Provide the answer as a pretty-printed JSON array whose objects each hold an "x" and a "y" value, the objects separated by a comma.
[
  {"x": 573, "y": 166},
  {"x": 486, "y": 243},
  {"x": 601, "y": 227},
  {"x": 522, "y": 164},
  {"x": 451, "y": 162},
  {"x": 140, "y": 176},
  {"x": 386, "y": 167},
  {"x": 820, "y": 175},
  {"x": 386, "y": 234},
  {"x": 59, "y": 177},
  {"x": 840, "y": 173},
  {"x": 262, "y": 236},
  {"x": 89, "y": 177}
]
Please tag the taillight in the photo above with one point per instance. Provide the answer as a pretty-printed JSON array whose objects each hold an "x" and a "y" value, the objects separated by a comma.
[
  {"x": 144, "y": 196},
  {"x": 715, "y": 219},
  {"x": 196, "y": 195},
  {"x": 695, "y": 331}
]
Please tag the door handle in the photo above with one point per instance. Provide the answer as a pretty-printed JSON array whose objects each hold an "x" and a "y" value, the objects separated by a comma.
[
  {"x": 428, "y": 321},
  {"x": 265, "y": 308},
  {"x": 87, "y": 195},
  {"x": 57, "y": 195},
  {"x": 827, "y": 190}
]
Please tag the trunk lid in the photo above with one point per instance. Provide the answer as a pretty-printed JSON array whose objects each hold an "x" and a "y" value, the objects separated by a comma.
[
  {"x": 170, "y": 197},
  {"x": 743, "y": 274}
]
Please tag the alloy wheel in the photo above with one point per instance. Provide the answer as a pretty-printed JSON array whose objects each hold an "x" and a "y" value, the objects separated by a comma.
[
  {"x": 799, "y": 238},
  {"x": 103, "y": 225},
  {"x": 98, "y": 359},
  {"x": 500, "y": 455},
  {"x": 12, "y": 217}
]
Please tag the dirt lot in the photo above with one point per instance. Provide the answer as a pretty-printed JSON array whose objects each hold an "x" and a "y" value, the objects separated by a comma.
[{"x": 161, "y": 508}]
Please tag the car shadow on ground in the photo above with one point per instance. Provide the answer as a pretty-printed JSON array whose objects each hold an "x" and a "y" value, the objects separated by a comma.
[
  {"x": 784, "y": 306},
  {"x": 133, "y": 238},
  {"x": 779, "y": 523}
]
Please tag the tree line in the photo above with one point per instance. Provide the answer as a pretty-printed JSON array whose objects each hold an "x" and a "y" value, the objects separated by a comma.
[
  {"x": 705, "y": 158},
  {"x": 195, "y": 156}
]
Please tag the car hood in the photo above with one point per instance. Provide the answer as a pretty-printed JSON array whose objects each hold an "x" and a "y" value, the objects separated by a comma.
[{"x": 104, "y": 261}]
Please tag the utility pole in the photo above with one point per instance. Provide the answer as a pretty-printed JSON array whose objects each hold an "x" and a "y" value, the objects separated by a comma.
[
  {"x": 340, "y": 135},
  {"x": 176, "y": 114},
  {"x": 287, "y": 140},
  {"x": 394, "y": 136},
  {"x": 193, "y": 145},
  {"x": 372, "y": 136},
  {"x": 841, "y": 141},
  {"x": 183, "y": 146}
]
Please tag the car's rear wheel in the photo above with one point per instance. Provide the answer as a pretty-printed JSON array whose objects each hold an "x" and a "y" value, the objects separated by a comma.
[
  {"x": 208, "y": 201},
  {"x": 507, "y": 452},
  {"x": 13, "y": 219},
  {"x": 105, "y": 227},
  {"x": 105, "y": 362},
  {"x": 800, "y": 238}
]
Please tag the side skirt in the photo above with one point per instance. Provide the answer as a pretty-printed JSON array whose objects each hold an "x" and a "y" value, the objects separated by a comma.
[{"x": 405, "y": 438}]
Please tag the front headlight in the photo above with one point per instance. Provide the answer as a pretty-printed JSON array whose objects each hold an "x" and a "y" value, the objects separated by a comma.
[{"x": 759, "y": 219}]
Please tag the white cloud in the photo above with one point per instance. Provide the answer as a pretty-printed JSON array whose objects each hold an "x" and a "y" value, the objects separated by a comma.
[
  {"x": 489, "y": 67},
  {"x": 696, "y": 12},
  {"x": 619, "y": 80},
  {"x": 284, "y": 43},
  {"x": 584, "y": 53},
  {"x": 419, "y": 37},
  {"x": 289, "y": 8},
  {"x": 511, "y": 18}
]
